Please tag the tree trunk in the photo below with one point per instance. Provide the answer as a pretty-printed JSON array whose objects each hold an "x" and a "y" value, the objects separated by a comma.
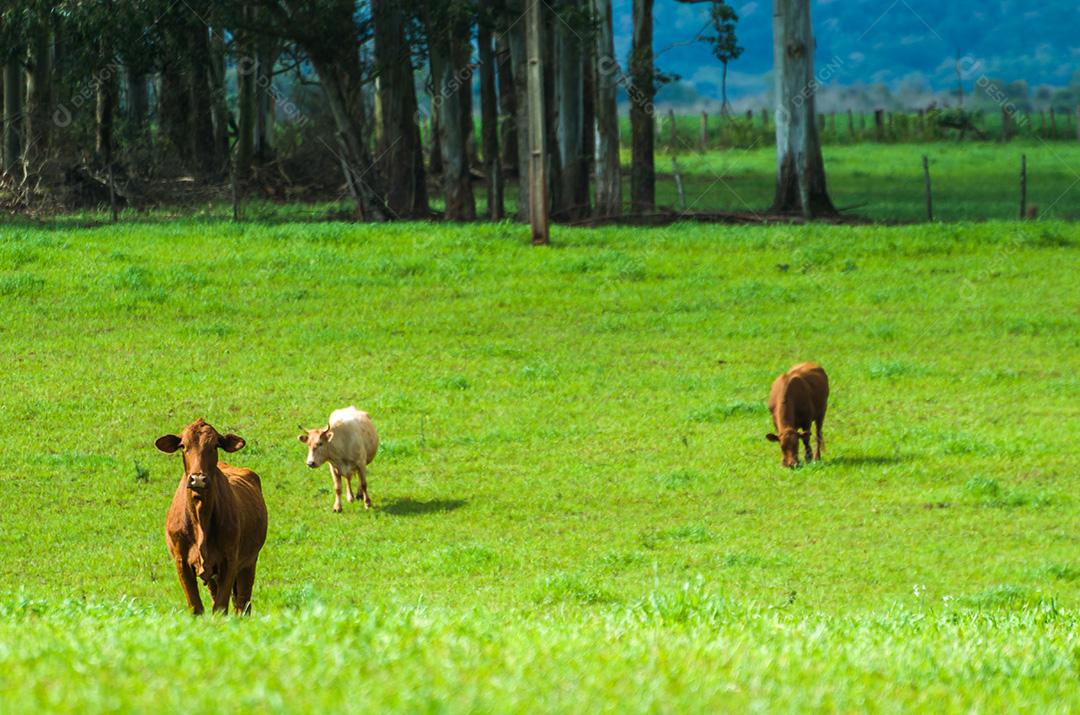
[
  {"x": 105, "y": 107},
  {"x": 340, "y": 81},
  {"x": 489, "y": 119},
  {"x": 642, "y": 126},
  {"x": 38, "y": 101},
  {"x": 246, "y": 106},
  {"x": 538, "y": 180},
  {"x": 450, "y": 49},
  {"x": 551, "y": 108},
  {"x": 13, "y": 107},
  {"x": 570, "y": 105},
  {"x": 608, "y": 180},
  {"x": 174, "y": 108},
  {"x": 267, "y": 52},
  {"x": 519, "y": 65},
  {"x": 219, "y": 109},
  {"x": 203, "y": 148},
  {"x": 435, "y": 165},
  {"x": 138, "y": 104},
  {"x": 401, "y": 155},
  {"x": 507, "y": 103},
  {"x": 800, "y": 170}
]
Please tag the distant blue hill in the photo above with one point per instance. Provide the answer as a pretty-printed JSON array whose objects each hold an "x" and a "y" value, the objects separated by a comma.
[{"x": 904, "y": 44}]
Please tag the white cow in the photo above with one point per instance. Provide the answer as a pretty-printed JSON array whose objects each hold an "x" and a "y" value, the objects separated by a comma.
[{"x": 349, "y": 442}]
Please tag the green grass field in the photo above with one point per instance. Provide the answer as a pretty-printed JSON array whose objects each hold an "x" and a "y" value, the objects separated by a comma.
[
  {"x": 972, "y": 181},
  {"x": 575, "y": 506}
]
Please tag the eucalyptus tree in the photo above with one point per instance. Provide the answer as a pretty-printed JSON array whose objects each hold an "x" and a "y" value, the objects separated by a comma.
[{"x": 800, "y": 169}]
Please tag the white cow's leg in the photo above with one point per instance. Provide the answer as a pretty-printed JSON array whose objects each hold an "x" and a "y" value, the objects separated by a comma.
[
  {"x": 337, "y": 487},
  {"x": 348, "y": 487},
  {"x": 363, "y": 487}
]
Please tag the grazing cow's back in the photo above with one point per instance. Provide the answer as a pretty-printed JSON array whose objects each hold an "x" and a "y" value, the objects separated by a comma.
[
  {"x": 349, "y": 443},
  {"x": 216, "y": 524},
  {"x": 798, "y": 398}
]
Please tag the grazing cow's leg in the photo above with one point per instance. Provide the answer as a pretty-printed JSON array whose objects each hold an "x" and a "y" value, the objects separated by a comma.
[
  {"x": 190, "y": 586},
  {"x": 337, "y": 487},
  {"x": 245, "y": 581},
  {"x": 806, "y": 445},
  {"x": 820, "y": 440},
  {"x": 348, "y": 487},
  {"x": 363, "y": 487},
  {"x": 225, "y": 585}
]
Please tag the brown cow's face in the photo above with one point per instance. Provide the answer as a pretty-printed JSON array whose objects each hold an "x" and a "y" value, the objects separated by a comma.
[
  {"x": 318, "y": 441},
  {"x": 789, "y": 446},
  {"x": 200, "y": 443}
]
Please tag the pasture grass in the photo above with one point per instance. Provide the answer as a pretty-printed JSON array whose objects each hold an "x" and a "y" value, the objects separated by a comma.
[
  {"x": 972, "y": 181},
  {"x": 575, "y": 505}
]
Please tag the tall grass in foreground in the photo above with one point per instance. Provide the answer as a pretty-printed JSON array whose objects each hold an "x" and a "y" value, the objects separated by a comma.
[{"x": 677, "y": 651}]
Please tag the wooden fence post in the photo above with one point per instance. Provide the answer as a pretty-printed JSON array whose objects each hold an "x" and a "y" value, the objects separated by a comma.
[
  {"x": 704, "y": 139},
  {"x": 879, "y": 124},
  {"x": 765, "y": 118},
  {"x": 929, "y": 194},
  {"x": 678, "y": 183},
  {"x": 1023, "y": 186}
]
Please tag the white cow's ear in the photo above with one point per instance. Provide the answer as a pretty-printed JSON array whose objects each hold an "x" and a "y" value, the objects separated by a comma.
[
  {"x": 328, "y": 434},
  {"x": 302, "y": 437}
]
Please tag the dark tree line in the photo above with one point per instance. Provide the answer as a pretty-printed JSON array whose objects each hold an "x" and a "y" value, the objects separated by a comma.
[{"x": 133, "y": 87}]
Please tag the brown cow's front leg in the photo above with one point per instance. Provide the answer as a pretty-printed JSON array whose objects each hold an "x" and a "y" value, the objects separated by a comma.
[
  {"x": 190, "y": 586},
  {"x": 245, "y": 581},
  {"x": 226, "y": 581},
  {"x": 337, "y": 488},
  {"x": 806, "y": 444}
]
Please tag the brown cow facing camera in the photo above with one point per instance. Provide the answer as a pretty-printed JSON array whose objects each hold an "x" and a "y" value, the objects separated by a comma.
[
  {"x": 797, "y": 398},
  {"x": 217, "y": 522}
]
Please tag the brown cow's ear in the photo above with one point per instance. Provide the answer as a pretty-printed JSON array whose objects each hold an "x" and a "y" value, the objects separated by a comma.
[
  {"x": 168, "y": 443},
  {"x": 772, "y": 438},
  {"x": 302, "y": 437},
  {"x": 232, "y": 442}
]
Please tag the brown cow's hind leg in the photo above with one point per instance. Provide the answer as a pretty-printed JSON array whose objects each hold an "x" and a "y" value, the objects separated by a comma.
[
  {"x": 190, "y": 586},
  {"x": 820, "y": 440},
  {"x": 806, "y": 445}
]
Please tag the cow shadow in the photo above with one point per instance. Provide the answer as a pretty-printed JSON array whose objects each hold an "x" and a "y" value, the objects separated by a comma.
[
  {"x": 414, "y": 507},
  {"x": 869, "y": 460}
]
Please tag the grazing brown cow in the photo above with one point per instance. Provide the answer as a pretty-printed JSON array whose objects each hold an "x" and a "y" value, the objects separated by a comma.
[
  {"x": 217, "y": 522},
  {"x": 797, "y": 398}
]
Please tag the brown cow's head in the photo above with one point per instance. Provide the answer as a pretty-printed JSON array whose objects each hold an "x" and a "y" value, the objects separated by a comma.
[
  {"x": 318, "y": 441},
  {"x": 789, "y": 445},
  {"x": 200, "y": 443}
]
